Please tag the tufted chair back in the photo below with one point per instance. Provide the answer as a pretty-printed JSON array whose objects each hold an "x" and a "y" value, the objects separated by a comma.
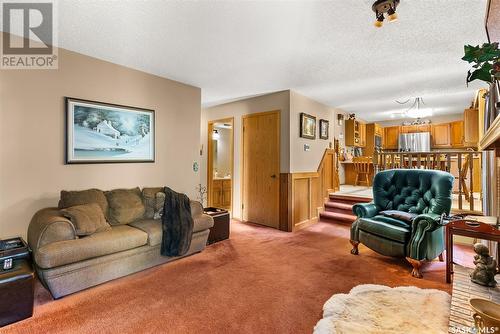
[{"x": 413, "y": 190}]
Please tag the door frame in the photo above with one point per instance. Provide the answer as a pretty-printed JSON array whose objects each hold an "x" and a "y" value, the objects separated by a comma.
[
  {"x": 242, "y": 165},
  {"x": 210, "y": 161}
]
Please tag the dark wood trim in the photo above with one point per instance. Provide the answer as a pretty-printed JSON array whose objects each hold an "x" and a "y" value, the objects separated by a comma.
[
  {"x": 355, "y": 244},
  {"x": 417, "y": 265},
  {"x": 286, "y": 202}
]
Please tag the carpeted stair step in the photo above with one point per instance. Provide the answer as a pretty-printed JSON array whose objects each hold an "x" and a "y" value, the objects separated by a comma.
[
  {"x": 338, "y": 207},
  {"x": 337, "y": 217},
  {"x": 348, "y": 199}
]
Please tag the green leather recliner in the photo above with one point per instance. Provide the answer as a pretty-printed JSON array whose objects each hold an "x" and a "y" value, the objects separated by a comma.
[{"x": 426, "y": 194}]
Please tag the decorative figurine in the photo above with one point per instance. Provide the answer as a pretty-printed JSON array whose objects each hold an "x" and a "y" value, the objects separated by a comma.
[{"x": 486, "y": 267}]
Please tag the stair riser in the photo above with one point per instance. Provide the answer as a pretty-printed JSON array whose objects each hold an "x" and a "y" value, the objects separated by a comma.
[
  {"x": 334, "y": 220},
  {"x": 337, "y": 210}
]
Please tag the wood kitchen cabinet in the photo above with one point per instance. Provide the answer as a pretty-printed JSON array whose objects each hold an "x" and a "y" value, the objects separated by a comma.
[
  {"x": 221, "y": 193},
  {"x": 408, "y": 129},
  {"x": 440, "y": 135},
  {"x": 415, "y": 128},
  {"x": 362, "y": 134},
  {"x": 471, "y": 127},
  {"x": 424, "y": 128},
  {"x": 457, "y": 134},
  {"x": 355, "y": 133},
  {"x": 391, "y": 137}
]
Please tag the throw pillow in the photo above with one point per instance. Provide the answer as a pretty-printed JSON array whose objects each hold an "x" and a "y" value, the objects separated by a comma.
[
  {"x": 125, "y": 206},
  {"x": 87, "y": 218},
  {"x": 74, "y": 198},
  {"x": 149, "y": 196},
  {"x": 401, "y": 215},
  {"x": 159, "y": 204}
]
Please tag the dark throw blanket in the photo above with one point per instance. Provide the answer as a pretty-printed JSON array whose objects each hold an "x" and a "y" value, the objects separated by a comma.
[{"x": 177, "y": 224}]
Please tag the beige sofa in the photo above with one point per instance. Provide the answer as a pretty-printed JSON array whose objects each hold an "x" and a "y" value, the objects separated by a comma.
[{"x": 67, "y": 263}]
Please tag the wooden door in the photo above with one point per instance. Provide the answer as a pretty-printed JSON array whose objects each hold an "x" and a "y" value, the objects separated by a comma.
[
  {"x": 441, "y": 135},
  {"x": 471, "y": 127},
  {"x": 457, "y": 134},
  {"x": 391, "y": 137},
  {"x": 261, "y": 168}
]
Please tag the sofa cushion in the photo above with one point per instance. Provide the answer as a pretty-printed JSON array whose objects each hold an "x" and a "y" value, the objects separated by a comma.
[
  {"x": 149, "y": 197},
  {"x": 87, "y": 218},
  {"x": 117, "y": 239},
  {"x": 391, "y": 220},
  {"x": 400, "y": 215},
  {"x": 153, "y": 227},
  {"x": 159, "y": 204},
  {"x": 80, "y": 197},
  {"x": 125, "y": 206},
  {"x": 385, "y": 230}
]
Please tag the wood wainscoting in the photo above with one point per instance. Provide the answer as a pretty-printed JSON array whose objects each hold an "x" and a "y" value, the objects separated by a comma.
[{"x": 302, "y": 195}]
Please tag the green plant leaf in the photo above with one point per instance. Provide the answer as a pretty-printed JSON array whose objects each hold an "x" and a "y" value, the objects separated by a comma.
[{"x": 482, "y": 74}]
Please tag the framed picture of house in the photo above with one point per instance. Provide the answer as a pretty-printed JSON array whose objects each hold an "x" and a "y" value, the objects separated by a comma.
[
  {"x": 323, "y": 128},
  {"x": 98, "y": 132},
  {"x": 307, "y": 126}
]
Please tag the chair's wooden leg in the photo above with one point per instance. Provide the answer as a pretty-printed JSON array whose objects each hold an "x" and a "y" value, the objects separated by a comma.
[
  {"x": 355, "y": 244},
  {"x": 441, "y": 257},
  {"x": 416, "y": 267}
]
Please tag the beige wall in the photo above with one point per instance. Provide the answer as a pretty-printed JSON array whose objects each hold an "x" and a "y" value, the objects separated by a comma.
[
  {"x": 32, "y": 169},
  {"x": 274, "y": 101},
  {"x": 293, "y": 158},
  {"x": 301, "y": 160}
]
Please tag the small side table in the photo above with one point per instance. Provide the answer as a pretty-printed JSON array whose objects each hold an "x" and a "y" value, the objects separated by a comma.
[
  {"x": 467, "y": 228},
  {"x": 220, "y": 230},
  {"x": 16, "y": 292}
]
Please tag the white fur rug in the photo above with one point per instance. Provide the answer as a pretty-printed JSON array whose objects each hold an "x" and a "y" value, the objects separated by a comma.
[{"x": 380, "y": 309}]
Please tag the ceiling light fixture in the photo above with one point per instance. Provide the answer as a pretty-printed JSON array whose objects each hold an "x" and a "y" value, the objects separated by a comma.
[
  {"x": 415, "y": 110},
  {"x": 381, "y": 7}
]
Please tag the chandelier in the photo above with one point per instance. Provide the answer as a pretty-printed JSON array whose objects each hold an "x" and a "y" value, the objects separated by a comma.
[
  {"x": 388, "y": 7},
  {"x": 415, "y": 110}
]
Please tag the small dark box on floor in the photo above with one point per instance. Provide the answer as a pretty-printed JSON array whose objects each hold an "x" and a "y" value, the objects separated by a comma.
[
  {"x": 220, "y": 230},
  {"x": 16, "y": 281},
  {"x": 16, "y": 293}
]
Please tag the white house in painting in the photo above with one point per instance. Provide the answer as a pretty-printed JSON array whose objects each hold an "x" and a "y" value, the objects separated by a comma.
[{"x": 107, "y": 129}]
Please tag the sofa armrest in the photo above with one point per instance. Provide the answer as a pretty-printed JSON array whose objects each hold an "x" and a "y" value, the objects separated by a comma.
[
  {"x": 365, "y": 210},
  {"x": 422, "y": 224},
  {"x": 196, "y": 208},
  {"x": 48, "y": 226}
]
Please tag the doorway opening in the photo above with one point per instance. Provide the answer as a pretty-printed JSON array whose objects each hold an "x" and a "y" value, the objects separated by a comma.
[{"x": 220, "y": 163}]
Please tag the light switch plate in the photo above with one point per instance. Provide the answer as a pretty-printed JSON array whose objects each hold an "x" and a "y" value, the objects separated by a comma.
[{"x": 307, "y": 147}]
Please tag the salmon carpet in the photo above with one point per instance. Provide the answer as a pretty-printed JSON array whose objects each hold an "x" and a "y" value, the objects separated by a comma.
[{"x": 260, "y": 281}]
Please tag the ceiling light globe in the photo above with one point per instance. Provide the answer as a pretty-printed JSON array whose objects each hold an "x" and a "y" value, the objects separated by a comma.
[
  {"x": 379, "y": 24},
  {"x": 393, "y": 17}
]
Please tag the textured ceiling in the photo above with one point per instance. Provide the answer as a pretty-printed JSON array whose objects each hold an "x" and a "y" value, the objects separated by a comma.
[{"x": 327, "y": 50}]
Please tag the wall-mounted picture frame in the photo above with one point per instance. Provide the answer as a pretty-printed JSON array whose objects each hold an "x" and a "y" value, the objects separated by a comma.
[
  {"x": 98, "y": 132},
  {"x": 324, "y": 126},
  {"x": 307, "y": 126}
]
